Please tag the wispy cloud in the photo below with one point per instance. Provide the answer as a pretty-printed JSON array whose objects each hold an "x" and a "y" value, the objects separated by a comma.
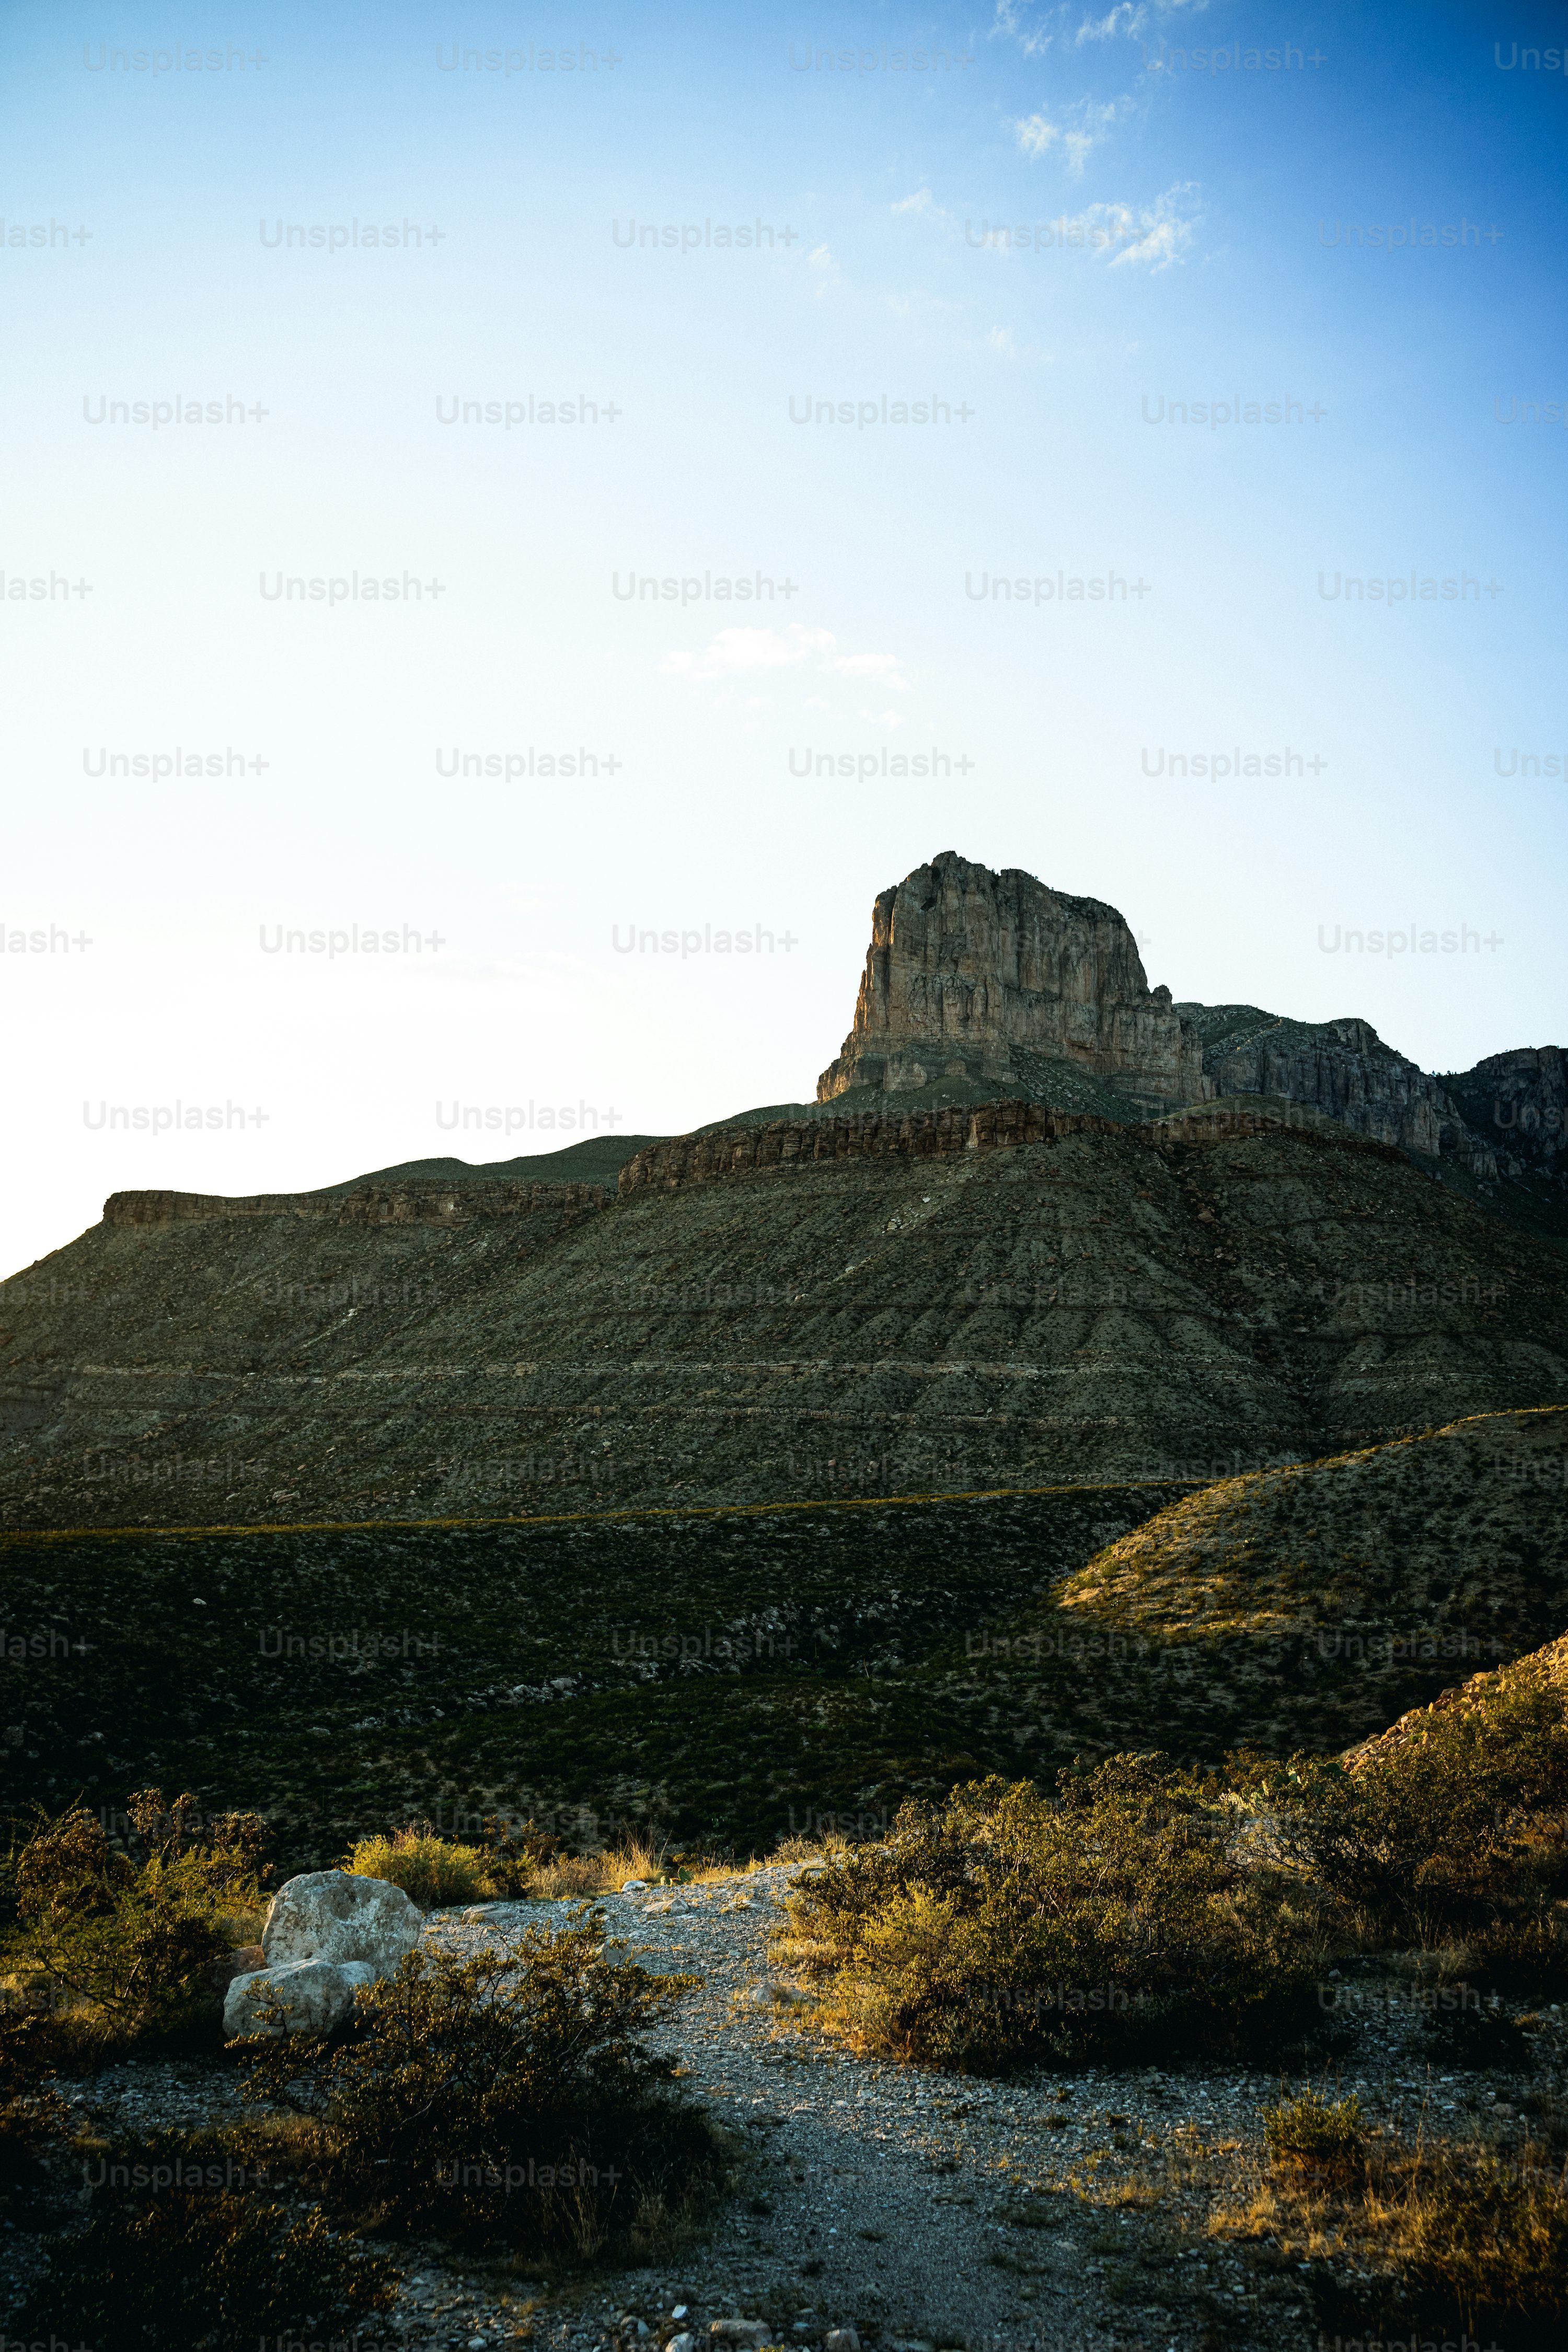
[
  {"x": 1036, "y": 28},
  {"x": 1158, "y": 234},
  {"x": 1085, "y": 126},
  {"x": 734, "y": 651}
]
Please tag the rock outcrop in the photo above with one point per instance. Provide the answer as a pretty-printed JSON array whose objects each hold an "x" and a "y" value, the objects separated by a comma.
[
  {"x": 976, "y": 981},
  {"x": 1340, "y": 1067},
  {"x": 911, "y": 1135},
  {"x": 943, "y": 1134},
  {"x": 971, "y": 974},
  {"x": 327, "y": 1932}
]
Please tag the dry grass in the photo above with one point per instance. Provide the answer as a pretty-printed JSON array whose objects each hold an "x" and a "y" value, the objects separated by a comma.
[
  {"x": 1469, "y": 2233},
  {"x": 654, "y": 1861}
]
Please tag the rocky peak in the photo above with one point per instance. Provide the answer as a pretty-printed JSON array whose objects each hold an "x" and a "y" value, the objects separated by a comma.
[{"x": 976, "y": 976}]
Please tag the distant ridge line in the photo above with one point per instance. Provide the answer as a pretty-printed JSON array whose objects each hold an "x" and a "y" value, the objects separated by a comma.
[
  {"x": 430, "y": 1201},
  {"x": 9, "y": 1536},
  {"x": 1008, "y": 1124}
]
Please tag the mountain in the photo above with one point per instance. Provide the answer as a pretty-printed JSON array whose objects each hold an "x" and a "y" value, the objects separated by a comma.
[
  {"x": 922, "y": 1300},
  {"x": 985, "y": 977},
  {"x": 915, "y": 1282},
  {"x": 978, "y": 983}
]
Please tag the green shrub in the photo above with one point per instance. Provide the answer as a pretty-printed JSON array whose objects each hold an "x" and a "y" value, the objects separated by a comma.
[
  {"x": 1003, "y": 1926},
  {"x": 1445, "y": 1827},
  {"x": 510, "y": 2097},
  {"x": 432, "y": 1871},
  {"x": 1314, "y": 2134},
  {"x": 129, "y": 1936},
  {"x": 164, "y": 2266}
]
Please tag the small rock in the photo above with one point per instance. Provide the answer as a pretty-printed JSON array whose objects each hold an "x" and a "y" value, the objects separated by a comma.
[
  {"x": 637, "y": 1886},
  {"x": 842, "y": 2339},
  {"x": 686, "y": 2342},
  {"x": 315, "y": 1996},
  {"x": 738, "y": 2331}
]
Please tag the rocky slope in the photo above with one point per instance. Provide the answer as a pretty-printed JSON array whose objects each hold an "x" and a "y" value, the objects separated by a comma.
[
  {"x": 1217, "y": 1289},
  {"x": 753, "y": 1674},
  {"x": 1303, "y": 1607}
]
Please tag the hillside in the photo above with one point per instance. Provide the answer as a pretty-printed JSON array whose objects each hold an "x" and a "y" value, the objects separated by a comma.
[
  {"x": 1213, "y": 1292},
  {"x": 1306, "y": 1607},
  {"x": 748, "y": 1675},
  {"x": 735, "y": 1675}
]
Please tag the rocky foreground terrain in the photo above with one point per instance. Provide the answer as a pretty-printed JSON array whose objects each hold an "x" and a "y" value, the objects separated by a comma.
[{"x": 1057, "y": 2211}]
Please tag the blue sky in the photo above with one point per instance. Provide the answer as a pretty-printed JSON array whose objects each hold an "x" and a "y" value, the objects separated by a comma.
[{"x": 1196, "y": 234}]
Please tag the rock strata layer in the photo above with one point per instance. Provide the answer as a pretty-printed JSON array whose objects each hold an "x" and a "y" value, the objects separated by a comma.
[
  {"x": 911, "y": 1135},
  {"x": 366, "y": 1205}
]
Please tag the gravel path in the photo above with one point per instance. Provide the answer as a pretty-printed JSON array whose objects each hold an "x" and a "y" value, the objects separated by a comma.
[
  {"x": 1055, "y": 2213},
  {"x": 904, "y": 2204}
]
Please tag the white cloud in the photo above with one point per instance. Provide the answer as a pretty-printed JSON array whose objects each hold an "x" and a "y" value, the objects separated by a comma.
[
  {"x": 1013, "y": 20},
  {"x": 1124, "y": 18},
  {"x": 741, "y": 649},
  {"x": 1086, "y": 126},
  {"x": 1000, "y": 339},
  {"x": 920, "y": 202},
  {"x": 1035, "y": 28},
  {"x": 886, "y": 668},
  {"x": 1154, "y": 235},
  {"x": 733, "y": 651},
  {"x": 1162, "y": 232}
]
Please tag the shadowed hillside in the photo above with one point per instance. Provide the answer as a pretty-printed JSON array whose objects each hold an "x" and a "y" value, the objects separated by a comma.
[{"x": 1174, "y": 1300}]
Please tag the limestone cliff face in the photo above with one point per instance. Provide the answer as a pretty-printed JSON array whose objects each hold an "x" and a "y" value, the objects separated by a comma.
[
  {"x": 1340, "y": 1067},
  {"x": 1520, "y": 1102},
  {"x": 970, "y": 972}
]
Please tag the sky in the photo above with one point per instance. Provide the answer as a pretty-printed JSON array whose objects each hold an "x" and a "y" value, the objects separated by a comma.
[{"x": 1123, "y": 442}]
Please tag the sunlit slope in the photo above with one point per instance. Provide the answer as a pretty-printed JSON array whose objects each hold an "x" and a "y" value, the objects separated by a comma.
[{"x": 1298, "y": 1608}]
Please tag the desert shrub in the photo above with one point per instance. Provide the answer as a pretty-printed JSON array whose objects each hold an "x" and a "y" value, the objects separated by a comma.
[
  {"x": 1314, "y": 2134},
  {"x": 177, "y": 2255},
  {"x": 515, "y": 1853},
  {"x": 33, "y": 2117},
  {"x": 432, "y": 1871},
  {"x": 1443, "y": 1829},
  {"x": 1004, "y": 1926},
  {"x": 510, "y": 2097},
  {"x": 1520, "y": 1956},
  {"x": 129, "y": 1936}
]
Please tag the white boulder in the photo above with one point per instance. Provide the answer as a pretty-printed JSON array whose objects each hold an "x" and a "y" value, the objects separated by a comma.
[
  {"x": 338, "y": 1917},
  {"x": 315, "y": 1996},
  {"x": 326, "y": 1933}
]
